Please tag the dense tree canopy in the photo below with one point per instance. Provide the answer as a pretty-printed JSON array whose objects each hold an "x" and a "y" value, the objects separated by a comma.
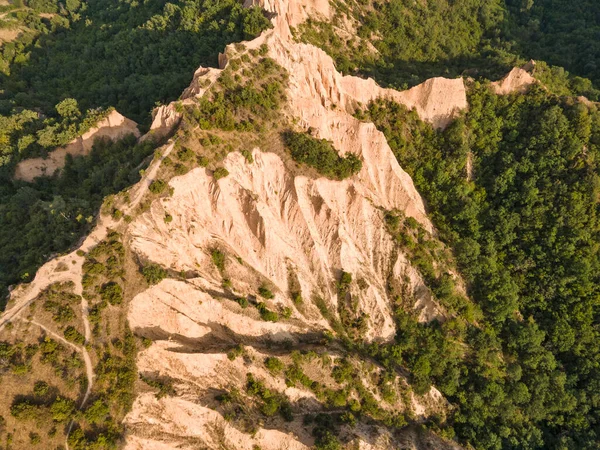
[
  {"x": 562, "y": 33},
  {"x": 514, "y": 188},
  {"x": 120, "y": 53},
  {"x": 416, "y": 40}
]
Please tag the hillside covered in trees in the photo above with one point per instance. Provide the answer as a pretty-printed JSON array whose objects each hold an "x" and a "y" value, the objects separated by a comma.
[
  {"x": 481, "y": 39},
  {"x": 507, "y": 249}
]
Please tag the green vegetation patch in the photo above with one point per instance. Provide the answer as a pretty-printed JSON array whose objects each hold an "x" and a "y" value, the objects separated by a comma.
[
  {"x": 513, "y": 190},
  {"x": 272, "y": 402},
  {"x": 246, "y": 103},
  {"x": 320, "y": 154},
  {"x": 154, "y": 274}
]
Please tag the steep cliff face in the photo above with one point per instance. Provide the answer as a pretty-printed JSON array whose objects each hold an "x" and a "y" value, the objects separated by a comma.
[{"x": 285, "y": 235}]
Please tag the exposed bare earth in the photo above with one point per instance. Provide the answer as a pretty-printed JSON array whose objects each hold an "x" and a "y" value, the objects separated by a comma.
[
  {"x": 518, "y": 80},
  {"x": 9, "y": 35}
]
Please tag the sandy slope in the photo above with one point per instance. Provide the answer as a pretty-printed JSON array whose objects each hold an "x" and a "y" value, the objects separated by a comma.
[
  {"x": 517, "y": 80},
  {"x": 276, "y": 224}
]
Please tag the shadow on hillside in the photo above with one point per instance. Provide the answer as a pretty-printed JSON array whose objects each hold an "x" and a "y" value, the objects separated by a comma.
[
  {"x": 122, "y": 55},
  {"x": 221, "y": 339},
  {"x": 403, "y": 74},
  {"x": 243, "y": 412}
]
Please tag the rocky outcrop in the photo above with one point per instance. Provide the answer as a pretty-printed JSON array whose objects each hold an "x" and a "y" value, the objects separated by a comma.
[
  {"x": 277, "y": 224},
  {"x": 164, "y": 120},
  {"x": 114, "y": 126},
  {"x": 203, "y": 79},
  {"x": 517, "y": 80}
]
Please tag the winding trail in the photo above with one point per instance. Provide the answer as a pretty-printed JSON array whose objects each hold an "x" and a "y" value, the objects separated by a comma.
[
  {"x": 52, "y": 333},
  {"x": 25, "y": 294}
]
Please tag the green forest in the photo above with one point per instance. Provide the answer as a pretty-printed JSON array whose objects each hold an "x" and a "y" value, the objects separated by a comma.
[
  {"x": 124, "y": 54},
  {"x": 513, "y": 188}
]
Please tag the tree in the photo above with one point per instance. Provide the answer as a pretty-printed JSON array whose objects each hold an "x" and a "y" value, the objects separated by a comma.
[
  {"x": 68, "y": 109},
  {"x": 62, "y": 409}
]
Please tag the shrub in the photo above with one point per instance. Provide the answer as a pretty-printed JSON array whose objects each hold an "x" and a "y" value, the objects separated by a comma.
[
  {"x": 220, "y": 172},
  {"x": 265, "y": 292},
  {"x": 41, "y": 389},
  {"x": 248, "y": 156},
  {"x": 97, "y": 412},
  {"x": 285, "y": 410},
  {"x": 266, "y": 314},
  {"x": 72, "y": 335},
  {"x": 157, "y": 186},
  {"x": 34, "y": 438},
  {"x": 154, "y": 274},
  {"x": 294, "y": 374},
  {"x": 112, "y": 292},
  {"x": 338, "y": 398},
  {"x": 225, "y": 398},
  {"x": 168, "y": 218},
  {"x": 62, "y": 409},
  {"x": 60, "y": 313},
  {"x": 274, "y": 365},
  {"x": 343, "y": 372},
  {"x": 242, "y": 301},
  {"x": 344, "y": 283},
  {"x": 23, "y": 410},
  {"x": 297, "y": 298},
  {"x": 181, "y": 169},
  {"x": 164, "y": 386},
  {"x": 286, "y": 313},
  {"x": 218, "y": 259},
  {"x": 185, "y": 154},
  {"x": 236, "y": 351},
  {"x": 327, "y": 441},
  {"x": 349, "y": 419},
  {"x": 272, "y": 401},
  {"x": 93, "y": 267}
]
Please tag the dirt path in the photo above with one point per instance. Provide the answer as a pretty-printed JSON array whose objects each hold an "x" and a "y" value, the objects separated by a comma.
[
  {"x": 25, "y": 294},
  {"x": 52, "y": 333},
  {"x": 6, "y": 13}
]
